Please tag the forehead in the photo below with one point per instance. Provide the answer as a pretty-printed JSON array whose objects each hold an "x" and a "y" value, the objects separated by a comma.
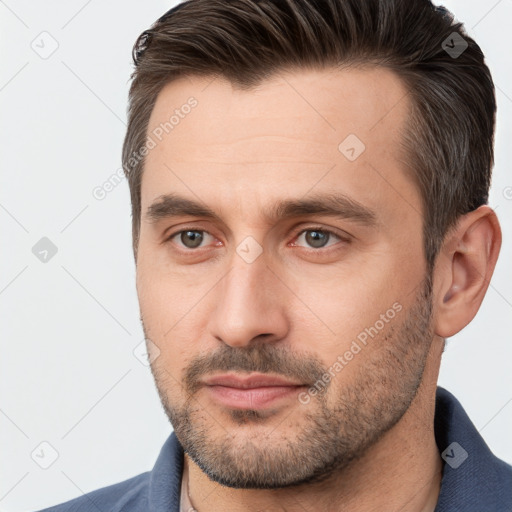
[
  {"x": 331, "y": 101},
  {"x": 298, "y": 131}
]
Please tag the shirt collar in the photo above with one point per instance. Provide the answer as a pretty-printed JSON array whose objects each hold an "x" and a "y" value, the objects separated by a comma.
[{"x": 471, "y": 476}]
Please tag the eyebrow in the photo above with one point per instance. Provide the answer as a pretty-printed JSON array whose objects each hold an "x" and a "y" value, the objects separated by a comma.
[{"x": 329, "y": 204}]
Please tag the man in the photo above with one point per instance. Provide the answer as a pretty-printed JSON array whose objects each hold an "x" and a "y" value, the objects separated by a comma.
[{"x": 309, "y": 184}]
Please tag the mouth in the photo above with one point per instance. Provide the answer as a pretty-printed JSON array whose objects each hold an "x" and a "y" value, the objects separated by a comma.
[{"x": 256, "y": 391}]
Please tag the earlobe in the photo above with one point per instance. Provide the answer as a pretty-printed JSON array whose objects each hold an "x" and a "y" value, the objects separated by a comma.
[{"x": 466, "y": 264}]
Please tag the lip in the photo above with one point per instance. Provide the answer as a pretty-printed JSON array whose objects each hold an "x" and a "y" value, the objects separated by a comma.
[
  {"x": 256, "y": 391},
  {"x": 255, "y": 380}
]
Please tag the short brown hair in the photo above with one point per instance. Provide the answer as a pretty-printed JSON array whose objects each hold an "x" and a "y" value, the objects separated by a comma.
[{"x": 450, "y": 131}]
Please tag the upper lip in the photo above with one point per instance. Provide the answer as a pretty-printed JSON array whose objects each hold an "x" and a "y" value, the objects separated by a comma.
[{"x": 256, "y": 380}]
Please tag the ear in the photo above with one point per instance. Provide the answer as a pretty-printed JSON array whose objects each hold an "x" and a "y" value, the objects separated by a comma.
[{"x": 464, "y": 269}]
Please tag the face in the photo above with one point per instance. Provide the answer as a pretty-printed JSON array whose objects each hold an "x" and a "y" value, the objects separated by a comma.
[{"x": 287, "y": 311}]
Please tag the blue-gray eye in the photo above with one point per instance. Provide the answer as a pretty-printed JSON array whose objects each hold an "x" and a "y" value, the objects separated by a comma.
[
  {"x": 191, "y": 239},
  {"x": 317, "y": 238}
]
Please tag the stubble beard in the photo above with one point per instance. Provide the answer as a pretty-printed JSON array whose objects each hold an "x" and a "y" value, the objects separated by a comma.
[{"x": 334, "y": 429}]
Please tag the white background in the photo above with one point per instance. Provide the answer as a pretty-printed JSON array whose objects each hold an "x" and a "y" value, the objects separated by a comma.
[{"x": 69, "y": 326}]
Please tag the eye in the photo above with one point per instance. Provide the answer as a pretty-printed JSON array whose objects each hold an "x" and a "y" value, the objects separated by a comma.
[
  {"x": 317, "y": 237},
  {"x": 191, "y": 238}
]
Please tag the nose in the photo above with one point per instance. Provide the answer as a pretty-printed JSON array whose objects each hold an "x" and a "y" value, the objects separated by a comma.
[{"x": 250, "y": 303}]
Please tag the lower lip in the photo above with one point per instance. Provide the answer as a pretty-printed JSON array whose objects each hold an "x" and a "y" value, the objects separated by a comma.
[{"x": 253, "y": 398}]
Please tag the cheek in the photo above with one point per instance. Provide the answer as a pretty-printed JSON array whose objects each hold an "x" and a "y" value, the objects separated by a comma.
[
  {"x": 341, "y": 305},
  {"x": 163, "y": 295},
  {"x": 365, "y": 326},
  {"x": 172, "y": 308}
]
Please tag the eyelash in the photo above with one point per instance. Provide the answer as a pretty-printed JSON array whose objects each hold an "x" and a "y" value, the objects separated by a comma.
[{"x": 304, "y": 230}]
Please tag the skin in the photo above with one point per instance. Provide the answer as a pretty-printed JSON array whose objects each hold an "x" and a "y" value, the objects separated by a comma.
[{"x": 237, "y": 152}]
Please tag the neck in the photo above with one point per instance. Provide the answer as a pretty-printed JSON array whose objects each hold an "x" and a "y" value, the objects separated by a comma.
[{"x": 402, "y": 470}]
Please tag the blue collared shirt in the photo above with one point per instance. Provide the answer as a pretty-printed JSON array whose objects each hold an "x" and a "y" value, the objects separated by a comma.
[{"x": 474, "y": 479}]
